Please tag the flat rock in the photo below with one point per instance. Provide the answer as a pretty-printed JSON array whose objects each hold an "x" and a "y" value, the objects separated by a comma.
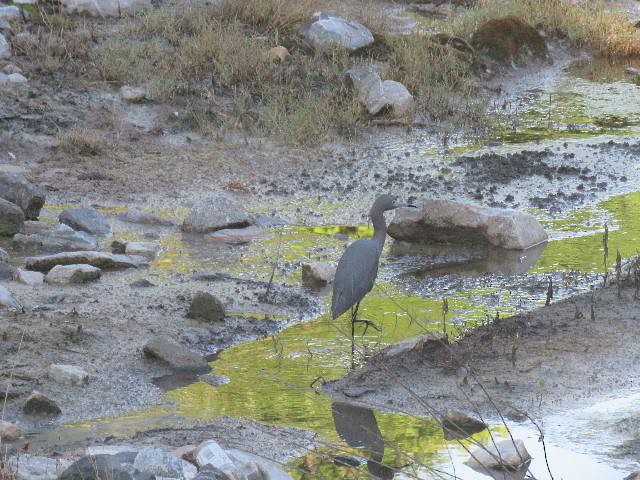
[
  {"x": 143, "y": 218},
  {"x": 207, "y": 307},
  {"x": 458, "y": 425},
  {"x": 238, "y": 235},
  {"x": 326, "y": 30},
  {"x": 175, "y": 355},
  {"x": 96, "y": 467},
  {"x": 102, "y": 260},
  {"x": 28, "y": 277},
  {"x": 61, "y": 239},
  {"x": 9, "y": 432},
  {"x": 162, "y": 464},
  {"x": 75, "y": 273},
  {"x": 31, "y": 467},
  {"x": 504, "y": 454},
  {"x": 15, "y": 188},
  {"x": 68, "y": 374},
  {"x": 446, "y": 221},
  {"x": 11, "y": 218},
  {"x": 142, "y": 249},
  {"x": 132, "y": 94},
  {"x": 318, "y": 273},
  {"x": 39, "y": 404},
  {"x": 7, "y": 300},
  {"x": 86, "y": 219},
  {"x": 216, "y": 212}
]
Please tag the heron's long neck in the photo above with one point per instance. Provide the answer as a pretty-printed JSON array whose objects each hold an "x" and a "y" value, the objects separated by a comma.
[{"x": 379, "y": 229}]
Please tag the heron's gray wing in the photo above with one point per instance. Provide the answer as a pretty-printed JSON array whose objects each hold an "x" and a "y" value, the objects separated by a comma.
[{"x": 355, "y": 275}]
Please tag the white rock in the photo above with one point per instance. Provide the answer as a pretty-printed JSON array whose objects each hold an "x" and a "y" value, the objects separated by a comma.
[
  {"x": 504, "y": 454},
  {"x": 326, "y": 30},
  {"x": 10, "y": 12},
  {"x": 163, "y": 464},
  {"x": 7, "y": 300},
  {"x": 378, "y": 96},
  {"x": 30, "y": 467},
  {"x": 68, "y": 374},
  {"x": 132, "y": 94},
  {"x": 318, "y": 273},
  {"x": 94, "y": 450},
  {"x": 210, "y": 453},
  {"x": 447, "y": 221},
  {"x": 9, "y": 432},
  {"x": 79, "y": 273},
  {"x": 28, "y": 277}
]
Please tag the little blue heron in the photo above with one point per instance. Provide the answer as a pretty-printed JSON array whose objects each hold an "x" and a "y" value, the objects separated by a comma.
[{"x": 358, "y": 266}]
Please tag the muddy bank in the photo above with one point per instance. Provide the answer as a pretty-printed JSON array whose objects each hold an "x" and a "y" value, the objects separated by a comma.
[{"x": 541, "y": 363}]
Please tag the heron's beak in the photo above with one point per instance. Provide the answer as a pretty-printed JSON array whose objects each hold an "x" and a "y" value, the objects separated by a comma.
[{"x": 405, "y": 205}]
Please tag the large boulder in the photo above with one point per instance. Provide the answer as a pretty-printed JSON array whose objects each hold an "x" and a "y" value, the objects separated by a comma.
[
  {"x": 174, "y": 355},
  {"x": 11, "y": 218},
  {"x": 447, "y": 221},
  {"x": 207, "y": 307},
  {"x": 505, "y": 454},
  {"x": 61, "y": 239},
  {"x": 15, "y": 188},
  {"x": 379, "y": 96},
  {"x": 39, "y": 404},
  {"x": 509, "y": 40},
  {"x": 67, "y": 274},
  {"x": 102, "y": 260},
  {"x": 96, "y": 467},
  {"x": 162, "y": 464},
  {"x": 215, "y": 213},
  {"x": 86, "y": 219},
  {"x": 105, "y": 8},
  {"x": 326, "y": 30}
]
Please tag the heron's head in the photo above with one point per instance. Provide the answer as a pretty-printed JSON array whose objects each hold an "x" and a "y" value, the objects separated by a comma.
[{"x": 387, "y": 202}]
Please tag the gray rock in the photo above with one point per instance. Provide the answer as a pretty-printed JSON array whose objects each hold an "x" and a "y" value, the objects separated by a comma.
[
  {"x": 142, "y": 249},
  {"x": 505, "y": 454},
  {"x": 457, "y": 425},
  {"x": 160, "y": 463},
  {"x": 62, "y": 239},
  {"x": 209, "y": 452},
  {"x": 175, "y": 356},
  {"x": 214, "y": 380},
  {"x": 209, "y": 472},
  {"x": 27, "y": 277},
  {"x": 105, "y": 8},
  {"x": 15, "y": 188},
  {"x": 96, "y": 467},
  {"x": 318, "y": 273},
  {"x": 75, "y": 273},
  {"x": 216, "y": 213},
  {"x": 446, "y": 221},
  {"x": 120, "y": 450},
  {"x": 205, "y": 306},
  {"x": 237, "y": 236},
  {"x": 143, "y": 218},
  {"x": 7, "y": 300},
  {"x": 102, "y": 260},
  {"x": 142, "y": 283},
  {"x": 5, "y": 48},
  {"x": 326, "y": 30},
  {"x": 5, "y": 29},
  {"x": 39, "y": 404},
  {"x": 132, "y": 94},
  {"x": 12, "y": 78},
  {"x": 35, "y": 226},
  {"x": 86, "y": 219},
  {"x": 267, "y": 469},
  {"x": 4, "y": 256},
  {"x": 68, "y": 374},
  {"x": 11, "y": 218},
  {"x": 633, "y": 71},
  {"x": 6, "y": 270},
  {"x": 356, "y": 392},
  {"x": 377, "y": 96},
  {"x": 9, "y": 432},
  {"x": 10, "y": 12},
  {"x": 633, "y": 476},
  {"x": 31, "y": 467}
]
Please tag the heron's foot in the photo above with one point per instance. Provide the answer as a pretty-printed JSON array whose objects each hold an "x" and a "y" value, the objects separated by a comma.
[{"x": 367, "y": 324}]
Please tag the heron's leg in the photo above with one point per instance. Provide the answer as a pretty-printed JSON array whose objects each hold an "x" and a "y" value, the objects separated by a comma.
[{"x": 354, "y": 314}]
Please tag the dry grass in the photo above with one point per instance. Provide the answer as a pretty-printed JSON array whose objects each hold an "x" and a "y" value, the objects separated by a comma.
[
  {"x": 81, "y": 141},
  {"x": 588, "y": 24}
]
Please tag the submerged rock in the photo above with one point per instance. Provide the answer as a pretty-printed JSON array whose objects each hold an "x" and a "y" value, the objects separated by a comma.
[
  {"x": 9, "y": 432},
  {"x": 31, "y": 467},
  {"x": 27, "y": 277},
  {"x": 503, "y": 454},
  {"x": 68, "y": 374},
  {"x": 216, "y": 212},
  {"x": 62, "y": 239},
  {"x": 15, "y": 188},
  {"x": 457, "y": 425},
  {"x": 39, "y": 404},
  {"x": 66, "y": 274},
  {"x": 102, "y": 260},
  {"x": 446, "y": 221},
  {"x": 318, "y": 273},
  {"x": 86, "y": 219},
  {"x": 11, "y": 218},
  {"x": 174, "y": 355},
  {"x": 509, "y": 40},
  {"x": 326, "y": 30},
  {"x": 205, "y": 306}
]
